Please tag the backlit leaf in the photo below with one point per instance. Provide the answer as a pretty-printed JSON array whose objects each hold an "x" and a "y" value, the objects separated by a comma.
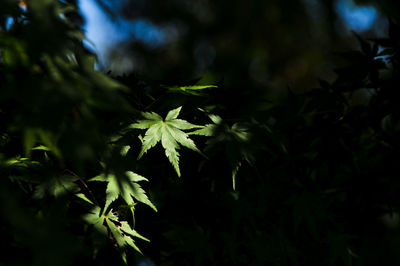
[
  {"x": 125, "y": 186},
  {"x": 169, "y": 132}
]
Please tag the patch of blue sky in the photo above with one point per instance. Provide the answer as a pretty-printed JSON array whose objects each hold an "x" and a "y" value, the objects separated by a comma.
[
  {"x": 103, "y": 32},
  {"x": 100, "y": 31},
  {"x": 9, "y": 22},
  {"x": 148, "y": 33},
  {"x": 357, "y": 18}
]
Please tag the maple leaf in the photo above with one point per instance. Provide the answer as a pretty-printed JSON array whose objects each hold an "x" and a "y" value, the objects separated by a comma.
[
  {"x": 209, "y": 129},
  {"x": 121, "y": 231},
  {"x": 233, "y": 139},
  {"x": 56, "y": 186},
  {"x": 169, "y": 132},
  {"x": 127, "y": 187}
]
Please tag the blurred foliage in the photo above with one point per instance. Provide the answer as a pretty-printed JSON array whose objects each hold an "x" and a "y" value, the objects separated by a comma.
[
  {"x": 314, "y": 174},
  {"x": 248, "y": 43},
  {"x": 264, "y": 44}
]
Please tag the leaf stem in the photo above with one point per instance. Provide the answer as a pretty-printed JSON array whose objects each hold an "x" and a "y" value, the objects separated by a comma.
[
  {"x": 151, "y": 104},
  {"x": 84, "y": 184}
]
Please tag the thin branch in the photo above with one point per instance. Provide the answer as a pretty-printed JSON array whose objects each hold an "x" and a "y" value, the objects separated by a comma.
[
  {"x": 84, "y": 184},
  {"x": 151, "y": 104}
]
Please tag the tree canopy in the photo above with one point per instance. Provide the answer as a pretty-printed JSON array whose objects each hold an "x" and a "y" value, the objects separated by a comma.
[{"x": 99, "y": 168}]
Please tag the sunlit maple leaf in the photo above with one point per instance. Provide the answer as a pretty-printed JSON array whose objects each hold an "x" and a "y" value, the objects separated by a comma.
[{"x": 169, "y": 132}]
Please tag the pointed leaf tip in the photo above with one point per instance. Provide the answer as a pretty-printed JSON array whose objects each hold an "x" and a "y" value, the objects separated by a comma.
[{"x": 173, "y": 114}]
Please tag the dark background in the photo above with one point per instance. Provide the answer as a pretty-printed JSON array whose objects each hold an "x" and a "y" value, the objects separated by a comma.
[{"x": 264, "y": 44}]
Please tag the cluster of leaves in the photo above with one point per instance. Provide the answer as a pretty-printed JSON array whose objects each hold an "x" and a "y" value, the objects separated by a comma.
[
  {"x": 312, "y": 174},
  {"x": 62, "y": 124},
  {"x": 315, "y": 174}
]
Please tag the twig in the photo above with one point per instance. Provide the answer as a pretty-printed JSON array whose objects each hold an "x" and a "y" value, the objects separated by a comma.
[{"x": 84, "y": 184}]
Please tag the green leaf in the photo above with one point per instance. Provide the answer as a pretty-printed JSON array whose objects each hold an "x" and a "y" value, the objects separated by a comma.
[
  {"x": 20, "y": 162},
  {"x": 209, "y": 129},
  {"x": 234, "y": 172},
  {"x": 97, "y": 220},
  {"x": 191, "y": 90},
  {"x": 126, "y": 187},
  {"x": 124, "y": 150},
  {"x": 56, "y": 186},
  {"x": 129, "y": 241},
  {"x": 152, "y": 136},
  {"x": 169, "y": 132},
  {"x": 127, "y": 229},
  {"x": 122, "y": 233},
  {"x": 31, "y": 137},
  {"x": 151, "y": 119},
  {"x": 173, "y": 114},
  {"x": 235, "y": 140},
  {"x": 112, "y": 191},
  {"x": 83, "y": 196},
  {"x": 41, "y": 148},
  {"x": 216, "y": 119},
  {"x": 101, "y": 177},
  {"x": 182, "y": 124},
  {"x": 116, "y": 233},
  {"x": 135, "y": 177}
]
